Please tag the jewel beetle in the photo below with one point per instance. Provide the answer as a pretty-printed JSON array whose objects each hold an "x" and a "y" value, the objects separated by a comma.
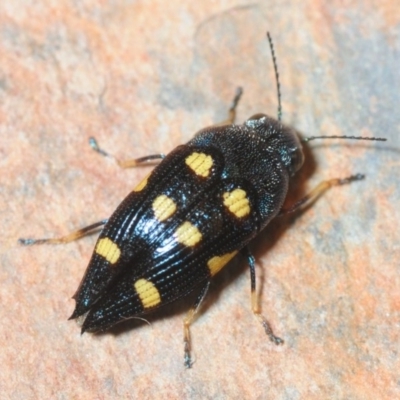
[{"x": 199, "y": 207}]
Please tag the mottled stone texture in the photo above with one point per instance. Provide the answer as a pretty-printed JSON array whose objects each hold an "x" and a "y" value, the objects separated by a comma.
[{"x": 142, "y": 77}]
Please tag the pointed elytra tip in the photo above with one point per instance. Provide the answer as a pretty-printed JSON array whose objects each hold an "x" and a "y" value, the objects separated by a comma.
[
  {"x": 80, "y": 320},
  {"x": 73, "y": 316}
]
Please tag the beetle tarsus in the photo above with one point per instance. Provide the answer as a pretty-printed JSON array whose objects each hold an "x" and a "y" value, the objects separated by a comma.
[
  {"x": 268, "y": 330},
  {"x": 26, "y": 241},
  {"x": 187, "y": 358}
]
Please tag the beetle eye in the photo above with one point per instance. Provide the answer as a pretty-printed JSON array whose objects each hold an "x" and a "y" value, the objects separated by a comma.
[{"x": 256, "y": 120}]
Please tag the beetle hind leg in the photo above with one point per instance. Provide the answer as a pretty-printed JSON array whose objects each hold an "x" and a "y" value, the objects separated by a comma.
[{"x": 87, "y": 230}]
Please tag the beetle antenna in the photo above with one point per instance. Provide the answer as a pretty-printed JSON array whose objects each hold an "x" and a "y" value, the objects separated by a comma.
[
  {"x": 278, "y": 89},
  {"x": 377, "y": 139},
  {"x": 278, "y": 85}
]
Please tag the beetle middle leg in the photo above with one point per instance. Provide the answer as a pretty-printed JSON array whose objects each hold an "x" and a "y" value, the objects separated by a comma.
[
  {"x": 88, "y": 230},
  {"x": 136, "y": 162},
  {"x": 156, "y": 157},
  {"x": 254, "y": 299},
  {"x": 188, "y": 320}
]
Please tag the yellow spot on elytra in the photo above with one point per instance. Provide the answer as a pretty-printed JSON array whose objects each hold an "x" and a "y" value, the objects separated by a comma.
[
  {"x": 108, "y": 249},
  {"x": 142, "y": 184},
  {"x": 237, "y": 202},
  {"x": 147, "y": 292},
  {"x": 163, "y": 207},
  {"x": 188, "y": 234},
  {"x": 200, "y": 163},
  {"x": 216, "y": 263}
]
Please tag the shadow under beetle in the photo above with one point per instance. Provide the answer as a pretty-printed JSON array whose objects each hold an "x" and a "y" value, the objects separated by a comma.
[{"x": 183, "y": 223}]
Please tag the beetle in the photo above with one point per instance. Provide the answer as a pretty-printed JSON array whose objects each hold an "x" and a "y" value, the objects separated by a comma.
[{"x": 200, "y": 207}]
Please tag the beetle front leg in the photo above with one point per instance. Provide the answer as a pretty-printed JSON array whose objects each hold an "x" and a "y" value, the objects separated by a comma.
[
  {"x": 318, "y": 191},
  {"x": 232, "y": 110}
]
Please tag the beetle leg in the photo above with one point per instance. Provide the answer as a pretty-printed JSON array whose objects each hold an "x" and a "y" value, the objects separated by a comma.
[
  {"x": 235, "y": 102},
  {"x": 188, "y": 320},
  {"x": 254, "y": 299},
  {"x": 87, "y": 230},
  {"x": 125, "y": 163},
  {"x": 318, "y": 191},
  {"x": 232, "y": 110}
]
